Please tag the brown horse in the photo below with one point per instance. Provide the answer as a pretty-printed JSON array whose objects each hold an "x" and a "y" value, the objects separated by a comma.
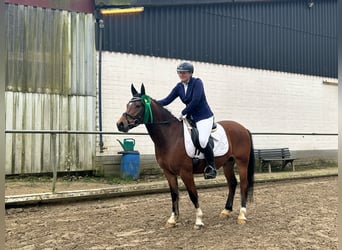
[{"x": 167, "y": 133}]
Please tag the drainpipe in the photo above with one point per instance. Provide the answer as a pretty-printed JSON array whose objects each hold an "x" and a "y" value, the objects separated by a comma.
[{"x": 101, "y": 26}]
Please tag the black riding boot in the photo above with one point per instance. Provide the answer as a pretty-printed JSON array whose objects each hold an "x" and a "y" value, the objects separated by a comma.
[{"x": 209, "y": 170}]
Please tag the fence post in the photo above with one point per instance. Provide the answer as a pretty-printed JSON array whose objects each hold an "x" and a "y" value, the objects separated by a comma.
[
  {"x": 53, "y": 161},
  {"x": 3, "y": 51}
]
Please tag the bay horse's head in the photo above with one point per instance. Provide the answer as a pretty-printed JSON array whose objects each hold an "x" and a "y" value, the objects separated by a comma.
[{"x": 135, "y": 111}]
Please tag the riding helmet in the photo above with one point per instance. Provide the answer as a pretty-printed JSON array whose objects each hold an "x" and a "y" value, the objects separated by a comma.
[{"x": 185, "y": 67}]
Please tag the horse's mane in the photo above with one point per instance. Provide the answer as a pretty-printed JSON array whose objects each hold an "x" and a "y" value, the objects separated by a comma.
[{"x": 165, "y": 110}]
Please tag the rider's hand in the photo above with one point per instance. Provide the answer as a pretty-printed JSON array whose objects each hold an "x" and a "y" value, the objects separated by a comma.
[{"x": 181, "y": 117}]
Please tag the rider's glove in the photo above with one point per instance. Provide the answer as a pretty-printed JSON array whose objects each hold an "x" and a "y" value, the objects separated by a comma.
[{"x": 181, "y": 117}]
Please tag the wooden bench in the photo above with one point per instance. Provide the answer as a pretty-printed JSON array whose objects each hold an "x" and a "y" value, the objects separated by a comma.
[{"x": 266, "y": 156}]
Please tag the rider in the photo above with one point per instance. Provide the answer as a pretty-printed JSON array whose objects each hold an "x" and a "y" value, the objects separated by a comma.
[{"x": 191, "y": 92}]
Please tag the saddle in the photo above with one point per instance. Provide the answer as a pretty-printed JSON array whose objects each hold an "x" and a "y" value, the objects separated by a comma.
[{"x": 194, "y": 137}]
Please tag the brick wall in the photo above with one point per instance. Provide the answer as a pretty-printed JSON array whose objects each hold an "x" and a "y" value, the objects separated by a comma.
[{"x": 263, "y": 101}]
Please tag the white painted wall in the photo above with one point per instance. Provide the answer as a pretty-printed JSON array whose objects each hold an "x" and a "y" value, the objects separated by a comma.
[{"x": 263, "y": 101}]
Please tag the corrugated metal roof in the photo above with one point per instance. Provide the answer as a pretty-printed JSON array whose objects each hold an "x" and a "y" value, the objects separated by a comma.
[{"x": 283, "y": 35}]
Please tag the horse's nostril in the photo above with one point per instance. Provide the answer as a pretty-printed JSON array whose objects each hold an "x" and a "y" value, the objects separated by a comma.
[{"x": 120, "y": 126}]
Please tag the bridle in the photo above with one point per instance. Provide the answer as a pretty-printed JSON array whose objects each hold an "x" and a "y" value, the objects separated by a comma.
[
  {"x": 141, "y": 117},
  {"x": 136, "y": 119}
]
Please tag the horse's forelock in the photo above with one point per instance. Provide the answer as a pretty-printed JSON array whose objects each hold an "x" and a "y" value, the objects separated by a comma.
[{"x": 135, "y": 98}]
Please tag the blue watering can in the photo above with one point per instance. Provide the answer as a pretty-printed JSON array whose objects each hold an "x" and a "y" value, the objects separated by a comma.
[{"x": 128, "y": 144}]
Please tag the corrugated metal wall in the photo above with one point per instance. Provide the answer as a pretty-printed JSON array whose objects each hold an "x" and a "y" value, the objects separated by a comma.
[
  {"x": 50, "y": 85},
  {"x": 281, "y": 35}
]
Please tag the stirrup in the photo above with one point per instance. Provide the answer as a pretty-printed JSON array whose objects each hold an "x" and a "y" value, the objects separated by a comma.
[{"x": 209, "y": 172}]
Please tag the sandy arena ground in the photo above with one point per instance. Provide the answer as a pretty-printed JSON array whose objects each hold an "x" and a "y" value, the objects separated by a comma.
[{"x": 299, "y": 214}]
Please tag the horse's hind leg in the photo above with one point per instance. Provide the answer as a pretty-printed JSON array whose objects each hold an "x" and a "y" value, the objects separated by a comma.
[
  {"x": 243, "y": 191},
  {"x": 173, "y": 184},
  {"x": 228, "y": 170},
  {"x": 189, "y": 183}
]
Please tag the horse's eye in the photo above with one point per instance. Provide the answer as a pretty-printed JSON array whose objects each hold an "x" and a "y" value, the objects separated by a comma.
[{"x": 138, "y": 106}]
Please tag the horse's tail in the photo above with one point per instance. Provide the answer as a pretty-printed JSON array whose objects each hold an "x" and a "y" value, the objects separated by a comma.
[{"x": 250, "y": 171}]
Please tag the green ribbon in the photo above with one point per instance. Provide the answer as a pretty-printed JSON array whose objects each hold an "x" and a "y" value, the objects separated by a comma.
[{"x": 148, "y": 110}]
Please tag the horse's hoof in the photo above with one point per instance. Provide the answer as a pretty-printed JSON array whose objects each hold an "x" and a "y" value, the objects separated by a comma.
[
  {"x": 198, "y": 227},
  {"x": 241, "y": 221},
  {"x": 170, "y": 225},
  {"x": 225, "y": 214}
]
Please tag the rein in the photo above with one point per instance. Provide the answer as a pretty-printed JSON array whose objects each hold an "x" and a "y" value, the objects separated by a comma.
[{"x": 145, "y": 115}]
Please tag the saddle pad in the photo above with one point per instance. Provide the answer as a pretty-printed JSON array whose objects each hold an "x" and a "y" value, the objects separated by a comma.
[{"x": 221, "y": 145}]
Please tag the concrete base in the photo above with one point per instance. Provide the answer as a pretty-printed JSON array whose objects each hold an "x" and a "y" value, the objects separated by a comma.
[{"x": 110, "y": 166}]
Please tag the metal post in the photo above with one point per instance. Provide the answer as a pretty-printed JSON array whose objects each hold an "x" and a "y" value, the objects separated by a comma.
[
  {"x": 54, "y": 161},
  {"x": 3, "y": 51},
  {"x": 339, "y": 42},
  {"x": 101, "y": 26}
]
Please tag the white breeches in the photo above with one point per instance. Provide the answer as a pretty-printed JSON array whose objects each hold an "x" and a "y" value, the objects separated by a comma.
[{"x": 204, "y": 129}]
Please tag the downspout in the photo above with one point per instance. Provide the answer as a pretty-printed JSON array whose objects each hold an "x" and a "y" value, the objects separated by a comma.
[{"x": 100, "y": 29}]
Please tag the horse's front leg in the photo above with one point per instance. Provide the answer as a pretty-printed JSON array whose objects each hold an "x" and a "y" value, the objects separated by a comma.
[
  {"x": 188, "y": 179},
  {"x": 173, "y": 184}
]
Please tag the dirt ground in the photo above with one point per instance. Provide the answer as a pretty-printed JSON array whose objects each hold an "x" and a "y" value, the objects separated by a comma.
[{"x": 298, "y": 214}]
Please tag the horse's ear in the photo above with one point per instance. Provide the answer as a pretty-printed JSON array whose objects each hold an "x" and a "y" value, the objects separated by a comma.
[
  {"x": 133, "y": 90},
  {"x": 142, "y": 91}
]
